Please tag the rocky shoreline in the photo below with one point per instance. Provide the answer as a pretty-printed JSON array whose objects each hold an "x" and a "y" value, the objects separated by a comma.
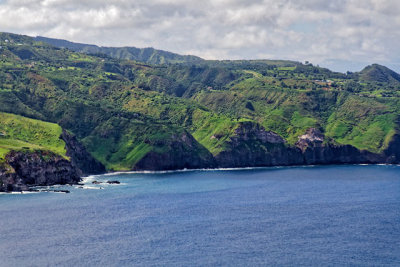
[
  {"x": 251, "y": 146},
  {"x": 23, "y": 170}
]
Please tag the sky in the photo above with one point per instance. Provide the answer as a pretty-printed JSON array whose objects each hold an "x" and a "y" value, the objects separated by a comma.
[{"x": 339, "y": 34}]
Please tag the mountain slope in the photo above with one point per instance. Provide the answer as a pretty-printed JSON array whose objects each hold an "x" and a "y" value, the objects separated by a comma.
[
  {"x": 378, "y": 73},
  {"x": 146, "y": 55},
  {"x": 132, "y": 115}
]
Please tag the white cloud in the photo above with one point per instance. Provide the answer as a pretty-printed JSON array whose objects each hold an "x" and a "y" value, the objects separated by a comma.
[{"x": 356, "y": 31}]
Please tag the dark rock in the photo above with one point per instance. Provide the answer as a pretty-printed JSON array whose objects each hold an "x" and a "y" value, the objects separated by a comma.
[
  {"x": 40, "y": 168},
  {"x": 80, "y": 157},
  {"x": 253, "y": 146},
  {"x": 62, "y": 191},
  {"x": 317, "y": 150},
  {"x": 24, "y": 169},
  {"x": 253, "y": 131},
  {"x": 55, "y": 191},
  {"x": 113, "y": 182},
  {"x": 250, "y": 106},
  {"x": 96, "y": 182},
  {"x": 392, "y": 153},
  {"x": 183, "y": 152}
]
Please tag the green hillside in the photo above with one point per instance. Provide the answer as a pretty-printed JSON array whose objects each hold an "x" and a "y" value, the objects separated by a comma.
[
  {"x": 21, "y": 133},
  {"x": 122, "y": 109},
  {"x": 378, "y": 73},
  {"x": 146, "y": 55}
]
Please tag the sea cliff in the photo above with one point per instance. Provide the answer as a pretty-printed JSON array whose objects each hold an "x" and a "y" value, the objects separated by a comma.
[
  {"x": 250, "y": 146},
  {"x": 253, "y": 146},
  {"x": 21, "y": 170}
]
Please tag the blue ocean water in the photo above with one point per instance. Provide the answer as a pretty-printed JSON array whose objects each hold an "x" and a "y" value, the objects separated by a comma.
[{"x": 332, "y": 215}]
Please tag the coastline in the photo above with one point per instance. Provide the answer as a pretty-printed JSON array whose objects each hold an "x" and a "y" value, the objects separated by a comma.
[
  {"x": 86, "y": 181},
  {"x": 236, "y": 169}
]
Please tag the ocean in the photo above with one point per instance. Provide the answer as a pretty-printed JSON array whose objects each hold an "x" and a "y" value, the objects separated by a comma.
[{"x": 288, "y": 216}]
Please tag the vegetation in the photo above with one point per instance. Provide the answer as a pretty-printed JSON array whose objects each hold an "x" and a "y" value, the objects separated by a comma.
[
  {"x": 20, "y": 133},
  {"x": 123, "y": 109},
  {"x": 148, "y": 55}
]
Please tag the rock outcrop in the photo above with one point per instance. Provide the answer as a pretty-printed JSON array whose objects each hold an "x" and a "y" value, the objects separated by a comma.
[
  {"x": 253, "y": 146},
  {"x": 312, "y": 138},
  {"x": 80, "y": 157},
  {"x": 24, "y": 169},
  {"x": 252, "y": 131},
  {"x": 182, "y": 152},
  {"x": 317, "y": 150},
  {"x": 392, "y": 153}
]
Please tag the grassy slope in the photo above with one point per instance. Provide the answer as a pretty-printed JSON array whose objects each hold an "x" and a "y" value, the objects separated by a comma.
[{"x": 20, "y": 133}]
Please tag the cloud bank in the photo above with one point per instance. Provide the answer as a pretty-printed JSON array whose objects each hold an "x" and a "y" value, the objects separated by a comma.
[{"x": 340, "y": 34}]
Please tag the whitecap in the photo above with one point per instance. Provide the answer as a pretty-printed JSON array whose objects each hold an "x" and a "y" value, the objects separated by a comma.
[
  {"x": 19, "y": 192},
  {"x": 91, "y": 187}
]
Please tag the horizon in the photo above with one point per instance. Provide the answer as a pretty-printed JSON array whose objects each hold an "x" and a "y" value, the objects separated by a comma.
[
  {"x": 251, "y": 59},
  {"x": 343, "y": 35}
]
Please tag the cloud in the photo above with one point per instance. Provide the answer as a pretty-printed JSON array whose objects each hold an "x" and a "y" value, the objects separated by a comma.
[{"x": 355, "y": 31}]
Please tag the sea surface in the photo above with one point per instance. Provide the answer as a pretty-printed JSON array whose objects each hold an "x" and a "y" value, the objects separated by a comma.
[{"x": 298, "y": 216}]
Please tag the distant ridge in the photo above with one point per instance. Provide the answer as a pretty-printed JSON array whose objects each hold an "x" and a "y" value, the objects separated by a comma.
[
  {"x": 379, "y": 73},
  {"x": 146, "y": 55}
]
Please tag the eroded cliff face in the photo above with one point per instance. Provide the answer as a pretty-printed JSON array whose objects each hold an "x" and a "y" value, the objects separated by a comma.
[
  {"x": 24, "y": 169},
  {"x": 253, "y": 146},
  {"x": 180, "y": 151},
  {"x": 317, "y": 149},
  {"x": 392, "y": 153},
  {"x": 80, "y": 157},
  {"x": 250, "y": 146}
]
